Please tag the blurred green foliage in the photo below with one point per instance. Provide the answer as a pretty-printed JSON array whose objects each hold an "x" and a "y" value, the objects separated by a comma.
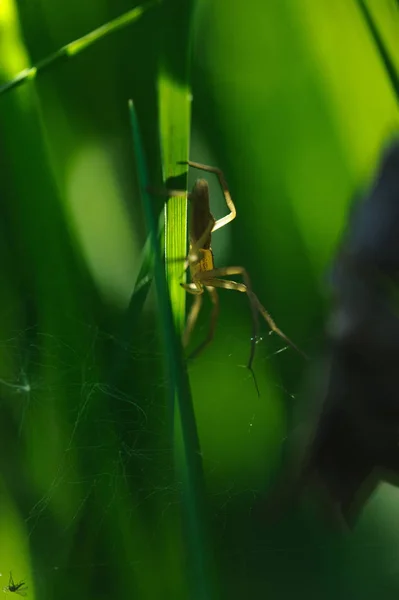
[{"x": 293, "y": 102}]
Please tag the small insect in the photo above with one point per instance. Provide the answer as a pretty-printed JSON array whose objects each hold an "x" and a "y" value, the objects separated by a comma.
[
  {"x": 204, "y": 275},
  {"x": 19, "y": 588}
]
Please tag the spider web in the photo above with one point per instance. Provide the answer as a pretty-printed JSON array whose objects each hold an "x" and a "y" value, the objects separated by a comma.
[
  {"x": 106, "y": 474},
  {"x": 104, "y": 446}
]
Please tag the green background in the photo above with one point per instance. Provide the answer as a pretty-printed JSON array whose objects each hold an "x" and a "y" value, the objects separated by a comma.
[{"x": 293, "y": 102}]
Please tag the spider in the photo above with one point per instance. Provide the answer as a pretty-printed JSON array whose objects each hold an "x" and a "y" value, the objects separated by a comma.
[
  {"x": 204, "y": 275},
  {"x": 19, "y": 588}
]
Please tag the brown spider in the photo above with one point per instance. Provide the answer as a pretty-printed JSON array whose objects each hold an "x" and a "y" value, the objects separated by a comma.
[{"x": 204, "y": 275}]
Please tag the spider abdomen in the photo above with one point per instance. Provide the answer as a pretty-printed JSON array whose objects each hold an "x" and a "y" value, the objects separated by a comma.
[{"x": 204, "y": 263}]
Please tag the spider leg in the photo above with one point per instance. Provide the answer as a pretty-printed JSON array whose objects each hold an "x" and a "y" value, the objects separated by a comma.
[
  {"x": 254, "y": 301},
  {"x": 223, "y": 184},
  {"x": 192, "y": 319},
  {"x": 193, "y": 288},
  {"x": 239, "y": 287},
  {"x": 196, "y": 290},
  {"x": 212, "y": 326}
]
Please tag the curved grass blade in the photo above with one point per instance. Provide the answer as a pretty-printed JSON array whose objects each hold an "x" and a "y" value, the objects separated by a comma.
[
  {"x": 179, "y": 389},
  {"x": 78, "y": 45}
]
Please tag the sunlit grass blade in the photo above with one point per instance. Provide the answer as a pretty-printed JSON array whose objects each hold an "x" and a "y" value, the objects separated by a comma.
[
  {"x": 174, "y": 118},
  {"x": 78, "y": 45},
  {"x": 179, "y": 389}
]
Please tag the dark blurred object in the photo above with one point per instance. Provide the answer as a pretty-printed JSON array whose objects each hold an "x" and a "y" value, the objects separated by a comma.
[{"x": 355, "y": 443}]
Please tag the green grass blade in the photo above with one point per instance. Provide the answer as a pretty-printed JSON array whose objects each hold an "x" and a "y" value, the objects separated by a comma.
[
  {"x": 379, "y": 42},
  {"x": 78, "y": 45},
  {"x": 174, "y": 116},
  {"x": 141, "y": 288},
  {"x": 179, "y": 388},
  {"x": 174, "y": 93},
  {"x": 158, "y": 265}
]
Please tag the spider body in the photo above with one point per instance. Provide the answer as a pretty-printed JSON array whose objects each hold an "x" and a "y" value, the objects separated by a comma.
[
  {"x": 204, "y": 275},
  {"x": 18, "y": 588},
  {"x": 204, "y": 263},
  {"x": 201, "y": 216},
  {"x": 200, "y": 221}
]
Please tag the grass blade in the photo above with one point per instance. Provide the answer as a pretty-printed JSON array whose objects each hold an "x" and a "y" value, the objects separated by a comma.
[
  {"x": 179, "y": 388},
  {"x": 379, "y": 42},
  {"x": 78, "y": 45},
  {"x": 141, "y": 288},
  {"x": 174, "y": 117}
]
